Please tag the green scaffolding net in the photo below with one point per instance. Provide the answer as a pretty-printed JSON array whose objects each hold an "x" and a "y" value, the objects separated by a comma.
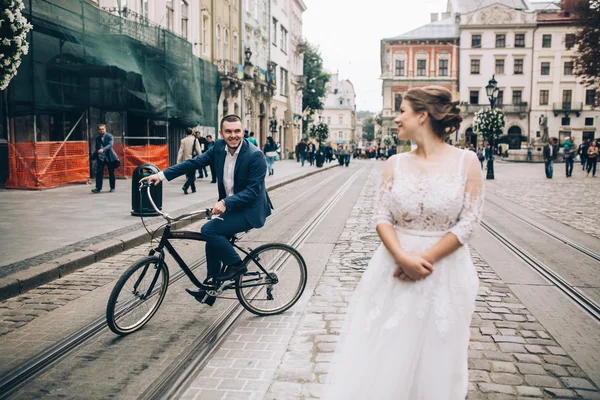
[{"x": 82, "y": 56}]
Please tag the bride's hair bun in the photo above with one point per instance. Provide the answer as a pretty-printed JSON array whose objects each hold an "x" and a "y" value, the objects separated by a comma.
[{"x": 437, "y": 101}]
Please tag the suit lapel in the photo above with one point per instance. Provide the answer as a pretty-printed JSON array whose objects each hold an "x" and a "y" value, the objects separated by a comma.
[{"x": 239, "y": 159}]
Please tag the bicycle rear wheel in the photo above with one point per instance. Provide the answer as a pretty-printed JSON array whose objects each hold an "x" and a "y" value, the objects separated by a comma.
[
  {"x": 137, "y": 295},
  {"x": 263, "y": 294}
]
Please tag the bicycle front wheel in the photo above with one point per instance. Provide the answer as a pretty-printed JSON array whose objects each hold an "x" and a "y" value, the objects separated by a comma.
[
  {"x": 276, "y": 286},
  {"x": 137, "y": 295}
]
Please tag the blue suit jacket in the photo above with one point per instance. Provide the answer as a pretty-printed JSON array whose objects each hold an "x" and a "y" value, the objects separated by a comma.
[
  {"x": 250, "y": 194},
  {"x": 105, "y": 142}
]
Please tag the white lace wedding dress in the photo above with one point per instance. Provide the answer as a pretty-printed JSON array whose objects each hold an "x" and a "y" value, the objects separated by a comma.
[{"x": 409, "y": 340}]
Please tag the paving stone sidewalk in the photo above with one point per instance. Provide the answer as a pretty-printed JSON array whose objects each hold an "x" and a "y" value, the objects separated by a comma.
[{"x": 571, "y": 201}]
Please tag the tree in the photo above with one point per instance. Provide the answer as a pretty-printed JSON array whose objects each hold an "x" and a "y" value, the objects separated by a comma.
[
  {"x": 320, "y": 132},
  {"x": 587, "y": 60},
  {"x": 388, "y": 141},
  {"x": 368, "y": 129},
  {"x": 314, "y": 91}
]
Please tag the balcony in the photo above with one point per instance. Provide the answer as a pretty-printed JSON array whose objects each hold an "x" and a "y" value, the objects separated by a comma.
[
  {"x": 472, "y": 108},
  {"x": 517, "y": 108},
  {"x": 567, "y": 107},
  {"x": 299, "y": 81},
  {"x": 230, "y": 77}
]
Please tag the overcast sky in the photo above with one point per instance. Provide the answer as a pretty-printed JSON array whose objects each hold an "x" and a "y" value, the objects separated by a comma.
[{"x": 348, "y": 33}]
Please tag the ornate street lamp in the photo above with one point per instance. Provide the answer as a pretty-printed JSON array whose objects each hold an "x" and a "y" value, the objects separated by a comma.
[
  {"x": 492, "y": 93},
  {"x": 248, "y": 54}
]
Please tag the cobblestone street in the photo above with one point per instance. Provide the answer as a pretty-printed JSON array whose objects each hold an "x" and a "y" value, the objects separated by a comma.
[{"x": 573, "y": 201}]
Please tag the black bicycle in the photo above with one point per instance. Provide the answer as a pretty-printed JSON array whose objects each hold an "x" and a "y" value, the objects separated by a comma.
[{"x": 274, "y": 282}]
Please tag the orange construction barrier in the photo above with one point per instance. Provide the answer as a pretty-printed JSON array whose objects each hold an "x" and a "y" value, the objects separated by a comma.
[
  {"x": 45, "y": 165},
  {"x": 133, "y": 156}
]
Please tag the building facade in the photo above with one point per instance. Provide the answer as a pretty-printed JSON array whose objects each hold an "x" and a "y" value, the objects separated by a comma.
[
  {"x": 497, "y": 40},
  {"x": 280, "y": 43},
  {"x": 298, "y": 80},
  {"x": 561, "y": 107},
  {"x": 424, "y": 56},
  {"x": 339, "y": 111}
]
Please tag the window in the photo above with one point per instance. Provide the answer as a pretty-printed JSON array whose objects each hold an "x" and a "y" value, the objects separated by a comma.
[
  {"x": 218, "y": 42},
  {"x": 517, "y": 97},
  {"x": 568, "y": 69},
  {"x": 184, "y": 19},
  {"x": 225, "y": 44},
  {"x": 474, "y": 97},
  {"x": 274, "y": 32},
  {"x": 340, "y": 135},
  {"x": 399, "y": 68},
  {"x": 590, "y": 97},
  {"x": 443, "y": 68},
  {"x": 397, "y": 101},
  {"x": 475, "y": 41},
  {"x": 545, "y": 68},
  {"x": 500, "y": 66},
  {"x": 500, "y": 99},
  {"x": 565, "y": 121},
  {"x": 520, "y": 40},
  {"x": 421, "y": 67},
  {"x": 589, "y": 122},
  {"x": 144, "y": 8},
  {"x": 569, "y": 40},
  {"x": 283, "y": 39},
  {"x": 328, "y": 120},
  {"x": 519, "y": 67},
  {"x": 341, "y": 119},
  {"x": 235, "y": 48},
  {"x": 544, "y": 97},
  {"x": 546, "y": 41},
  {"x": 500, "y": 40},
  {"x": 204, "y": 34},
  {"x": 475, "y": 67},
  {"x": 588, "y": 135},
  {"x": 567, "y": 97},
  {"x": 170, "y": 15},
  {"x": 283, "y": 76}
]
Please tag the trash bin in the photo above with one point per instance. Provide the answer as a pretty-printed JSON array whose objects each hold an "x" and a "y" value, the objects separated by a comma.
[{"x": 144, "y": 208}]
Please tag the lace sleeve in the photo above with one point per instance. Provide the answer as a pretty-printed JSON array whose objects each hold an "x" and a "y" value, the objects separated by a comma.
[
  {"x": 472, "y": 209},
  {"x": 383, "y": 213}
]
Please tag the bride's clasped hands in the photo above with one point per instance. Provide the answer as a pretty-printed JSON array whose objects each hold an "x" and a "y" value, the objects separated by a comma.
[{"x": 412, "y": 267}]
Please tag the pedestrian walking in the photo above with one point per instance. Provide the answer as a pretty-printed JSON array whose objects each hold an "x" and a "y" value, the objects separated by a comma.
[
  {"x": 481, "y": 156},
  {"x": 203, "y": 149},
  {"x": 302, "y": 150},
  {"x": 189, "y": 147},
  {"x": 270, "y": 150},
  {"x": 209, "y": 144},
  {"x": 582, "y": 150},
  {"x": 252, "y": 140},
  {"x": 569, "y": 149},
  {"x": 105, "y": 156},
  {"x": 311, "y": 150},
  {"x": 592, "y": 158},
  {"x": 549, "y": 154},
  {"x": 529, "y": 156},
  {"x": 278, "y": 157},
  {"x": 406, "y": 335}
]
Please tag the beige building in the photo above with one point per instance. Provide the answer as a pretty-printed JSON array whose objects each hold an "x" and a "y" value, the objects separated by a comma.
[{"x": 339, "y": 112}]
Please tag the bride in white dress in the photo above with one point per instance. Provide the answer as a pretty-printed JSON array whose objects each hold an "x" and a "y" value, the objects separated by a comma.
[{"x": 406, "y": 334}]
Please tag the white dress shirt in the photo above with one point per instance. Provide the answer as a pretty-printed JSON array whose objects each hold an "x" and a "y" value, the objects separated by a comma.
[{"x": 229, "y": 169}]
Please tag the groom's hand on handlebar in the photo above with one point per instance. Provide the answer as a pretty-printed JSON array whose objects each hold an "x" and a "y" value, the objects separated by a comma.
[{"x": 152, "y": 179}]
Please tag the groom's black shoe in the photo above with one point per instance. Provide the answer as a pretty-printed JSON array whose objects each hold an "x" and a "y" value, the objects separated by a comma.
[
  {"x": 202, "y": 297},
  {"x": 233, "y": 271}
]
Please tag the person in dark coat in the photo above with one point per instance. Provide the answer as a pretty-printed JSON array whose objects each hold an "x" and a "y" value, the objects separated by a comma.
[{"x": 105, "y": 156}]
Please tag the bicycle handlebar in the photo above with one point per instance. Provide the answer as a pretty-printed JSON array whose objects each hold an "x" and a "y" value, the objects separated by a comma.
[{"x": 207, "y": 211}]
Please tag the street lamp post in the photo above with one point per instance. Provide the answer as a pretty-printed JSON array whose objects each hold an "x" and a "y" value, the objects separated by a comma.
[{"x": 492, "y": 93}]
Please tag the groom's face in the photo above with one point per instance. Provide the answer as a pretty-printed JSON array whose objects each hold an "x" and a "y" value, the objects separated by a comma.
[{"x": 233, "y": 133}]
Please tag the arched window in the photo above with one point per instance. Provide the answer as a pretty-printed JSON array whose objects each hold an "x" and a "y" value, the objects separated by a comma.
[
  {"x": 184, "y": 19},
  {"x": 218, "y": 42},
  {"x": 225, "y": 107},
  {"x": 236, "y": 109},
  {"x": 225, "y": 44}
]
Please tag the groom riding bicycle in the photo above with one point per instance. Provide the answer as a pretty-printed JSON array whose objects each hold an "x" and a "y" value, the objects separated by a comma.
[{"x": 243, "y": 200}]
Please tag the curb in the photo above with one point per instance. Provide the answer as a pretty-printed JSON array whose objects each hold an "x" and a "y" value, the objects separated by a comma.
[{"x": 30, "y": 278}]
